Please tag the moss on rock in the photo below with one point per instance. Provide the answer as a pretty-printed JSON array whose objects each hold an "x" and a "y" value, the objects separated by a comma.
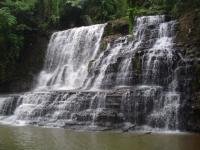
[{"x": 113, "y": 30}]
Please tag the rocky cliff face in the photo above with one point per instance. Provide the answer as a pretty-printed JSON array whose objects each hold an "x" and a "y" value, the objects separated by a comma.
[
  {"x": 188, "y": 42},
  {"x": 147, "y": 80}
]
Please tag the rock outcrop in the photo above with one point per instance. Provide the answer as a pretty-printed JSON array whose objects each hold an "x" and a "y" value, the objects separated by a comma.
[
  {"x": 144, "y": 81},
  {"x": 188, "y": 42}
]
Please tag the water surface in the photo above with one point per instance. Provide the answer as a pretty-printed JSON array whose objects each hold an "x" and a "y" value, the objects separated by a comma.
[{"x": 33, "y": 138}]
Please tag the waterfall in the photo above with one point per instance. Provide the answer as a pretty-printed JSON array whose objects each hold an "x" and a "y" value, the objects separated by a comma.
[
  {"x": 161, "y": 53},
  {"x": 68, "y": 55},
  {"x": 132, "y": 81}
]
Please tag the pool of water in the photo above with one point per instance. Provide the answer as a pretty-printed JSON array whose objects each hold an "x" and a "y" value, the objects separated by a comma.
[{"x": 35, "y": 138}]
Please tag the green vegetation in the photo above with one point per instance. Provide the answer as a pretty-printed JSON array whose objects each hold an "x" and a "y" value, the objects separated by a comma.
[
  {"x": 174, "y": 8},
  {"x": 21, "y": 18},
  {"x": 104, "y": 10},
  {"x": 13, "y": 24}
]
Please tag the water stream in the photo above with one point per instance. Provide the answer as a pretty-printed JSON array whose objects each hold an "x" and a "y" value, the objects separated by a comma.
[{"x": 132, "y": 81}]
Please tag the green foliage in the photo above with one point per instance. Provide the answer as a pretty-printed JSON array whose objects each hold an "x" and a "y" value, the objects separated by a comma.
[
  {"x": 183, "y": 6},
  {"x": 6, "y": 19},
  {"x": 166, "y": 6},
  {"x": 104, "y": 10},
  {"x": 152, "y": 7},
  {"x": 11, "y": 34},
  {"x": 19, "y": 18}
]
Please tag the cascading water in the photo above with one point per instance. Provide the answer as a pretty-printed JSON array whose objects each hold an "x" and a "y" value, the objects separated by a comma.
[
  {"x": 133, "y": 80},
  {"x": 68, "y": 55}
]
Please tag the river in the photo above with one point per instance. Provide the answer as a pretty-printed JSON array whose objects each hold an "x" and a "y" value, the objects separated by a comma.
[{"x": 36, "y": 138}]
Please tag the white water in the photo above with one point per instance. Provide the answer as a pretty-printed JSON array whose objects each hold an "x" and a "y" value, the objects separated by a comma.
[
  {"x": 2, "y": 103},
  {"x": 73, "y": 62},
  {"x": 68, "y": 56},
  {"x": 106, "y": 61},
  {"x": 162, "y": 51}
]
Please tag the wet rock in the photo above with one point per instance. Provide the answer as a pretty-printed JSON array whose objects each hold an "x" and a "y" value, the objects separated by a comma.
[{"x": 128, "y": 126}]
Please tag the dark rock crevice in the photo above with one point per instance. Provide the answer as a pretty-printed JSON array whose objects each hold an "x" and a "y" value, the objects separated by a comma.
[{"x": 188, "y": 43}]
